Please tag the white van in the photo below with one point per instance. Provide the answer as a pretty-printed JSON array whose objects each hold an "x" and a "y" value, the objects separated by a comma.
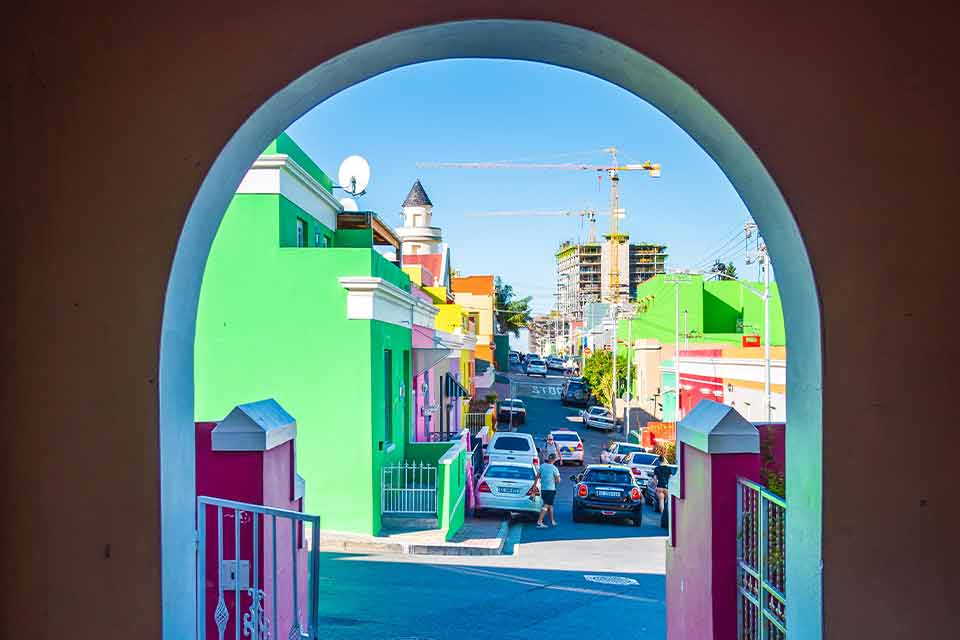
[{"x": 512, "y": 447}]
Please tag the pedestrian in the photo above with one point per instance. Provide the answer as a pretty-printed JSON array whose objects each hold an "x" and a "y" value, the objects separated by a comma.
[
  {"x": 662, "y": 474},
  {"x": 549, "y": 477},
  {"x": 552, "y": 447}
]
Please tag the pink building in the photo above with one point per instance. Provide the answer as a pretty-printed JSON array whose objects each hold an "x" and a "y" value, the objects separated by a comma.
[{"x": 249, "y": 457}]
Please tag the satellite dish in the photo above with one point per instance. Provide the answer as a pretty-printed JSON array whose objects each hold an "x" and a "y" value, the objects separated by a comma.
[
  {"x": 349, "y": 204},
  {"x": 354, "y": 175}
]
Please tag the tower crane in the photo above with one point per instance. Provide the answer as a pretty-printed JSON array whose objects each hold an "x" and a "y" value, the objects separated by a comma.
[
  {"x": 587, "y": 214},
  {"x": 612, "y": 170}
]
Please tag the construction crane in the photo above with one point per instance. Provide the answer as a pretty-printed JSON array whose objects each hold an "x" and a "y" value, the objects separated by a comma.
[
  {"x": 587, "y": 214},
  {"x": 613, "y": 172}
]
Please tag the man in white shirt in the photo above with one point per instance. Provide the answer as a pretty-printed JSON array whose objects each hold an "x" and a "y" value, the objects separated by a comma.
[{"x": 549, "y": 477}]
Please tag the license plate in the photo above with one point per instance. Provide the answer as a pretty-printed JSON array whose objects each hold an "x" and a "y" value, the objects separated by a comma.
[
  {"x": 608, "y": 494},
  {"x": 512, "y": 490},
  {"x": 608, "y": 513}
]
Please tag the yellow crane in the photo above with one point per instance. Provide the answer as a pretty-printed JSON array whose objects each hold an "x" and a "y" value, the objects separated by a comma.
[{"x": 613, "y": 172}]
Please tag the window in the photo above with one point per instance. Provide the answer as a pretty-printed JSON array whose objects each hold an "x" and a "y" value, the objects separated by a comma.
[
  {"x": 301, "y": 233},
  {"x": 511, "y": 443},
  {"x": 320, "y": 240},
  {"x": 387, "y": 396},
  {"x": 607, "y": 476},
  {"x": 405, "y": 394},
  {"x": 510, "y": 473}
]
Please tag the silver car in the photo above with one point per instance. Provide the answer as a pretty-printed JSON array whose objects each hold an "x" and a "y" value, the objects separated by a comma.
[
  {"x": 598, "y": 418},
  {"x": 537, "y": 368},
  {"x": 509, "y": 486}
]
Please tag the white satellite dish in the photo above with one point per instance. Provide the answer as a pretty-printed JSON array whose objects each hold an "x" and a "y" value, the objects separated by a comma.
[
  {"x": 349, "y": 204},
  {"x": 354, "y": 175}
]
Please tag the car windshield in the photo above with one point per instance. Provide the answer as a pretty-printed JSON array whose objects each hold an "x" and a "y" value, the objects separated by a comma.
[
  {"x": 511, "y": 443},
  {"x": 628, "y": 448},
  {"x": 515, "y": 403},
  {"x": 510, "y": 473},
  {"x": 575, "y": 386},
  {"x": 566, "y": 437},
  {"x": 607, "y": 476},
  {"x": 643, "y": 458},
  {"x": 536, "y": 362},
  {"x": 600, "y": 411}
]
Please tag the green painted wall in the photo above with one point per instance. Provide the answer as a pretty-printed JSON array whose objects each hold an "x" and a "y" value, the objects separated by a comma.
[
  {"x": 502, "y": 353},
  {"x": 714, "y": 310},
  {"x": 272, "y": 323},
  {"x": 318, "y": 234}
]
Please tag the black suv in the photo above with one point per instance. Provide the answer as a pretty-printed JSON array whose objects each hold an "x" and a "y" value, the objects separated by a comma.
[
  {"x": 607, "y": 491},
  {"x": 575, "y": 391}
]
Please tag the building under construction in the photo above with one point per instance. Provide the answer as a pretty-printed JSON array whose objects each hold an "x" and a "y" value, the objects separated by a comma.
[{"x": 584, "y": 272}]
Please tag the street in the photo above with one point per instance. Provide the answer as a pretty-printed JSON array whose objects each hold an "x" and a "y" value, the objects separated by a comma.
[{"x": 586, "y": 580}]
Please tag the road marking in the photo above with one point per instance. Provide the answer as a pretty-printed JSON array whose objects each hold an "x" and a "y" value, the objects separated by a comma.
[{"x": 618, "y": 580}]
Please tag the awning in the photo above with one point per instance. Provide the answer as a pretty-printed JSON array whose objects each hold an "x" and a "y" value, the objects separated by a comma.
[
  {"x": 425, "y": 359},
  {"x": 454, "y": 389}
]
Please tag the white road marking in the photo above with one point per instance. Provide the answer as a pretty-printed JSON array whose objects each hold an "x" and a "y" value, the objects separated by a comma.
[{"x": 618, "y": 580}]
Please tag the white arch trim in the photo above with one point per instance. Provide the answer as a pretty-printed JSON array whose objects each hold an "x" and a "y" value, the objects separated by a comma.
[{"x": 532, "y": 41}]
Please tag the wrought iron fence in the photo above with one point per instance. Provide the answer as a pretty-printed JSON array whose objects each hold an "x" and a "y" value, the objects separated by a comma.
[
  {"x": 761, "y": 562},
  {"x": 259, "y": 602},
  {"x": 408, "y": 488}
]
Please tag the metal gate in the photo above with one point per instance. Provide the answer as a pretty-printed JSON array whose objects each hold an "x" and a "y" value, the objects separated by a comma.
[
  {"x": 258, "y": 571},
  {"x": 761, "y": 563},
  {"x": 408, "y": 488}
]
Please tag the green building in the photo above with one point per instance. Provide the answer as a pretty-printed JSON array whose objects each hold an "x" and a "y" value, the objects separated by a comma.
[
  {"x": 713, "y": 311},
  {"x": 297, "y": 305}
]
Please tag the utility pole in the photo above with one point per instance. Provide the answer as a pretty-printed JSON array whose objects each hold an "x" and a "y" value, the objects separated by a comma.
[
  {"x": 676, "y": 280},
  {"x": 613, "y": 349},
  {"x": 765, "y": 261},
  {"x": 626, "y": 425}
]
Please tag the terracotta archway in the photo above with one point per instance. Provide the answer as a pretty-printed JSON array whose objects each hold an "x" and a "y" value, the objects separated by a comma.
[{"x": 535, "y": 41}]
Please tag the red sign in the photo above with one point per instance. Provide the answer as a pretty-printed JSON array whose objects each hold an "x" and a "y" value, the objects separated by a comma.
[
  {"x": 750, "y": 341},
  {"x": 587, "y": 350}
]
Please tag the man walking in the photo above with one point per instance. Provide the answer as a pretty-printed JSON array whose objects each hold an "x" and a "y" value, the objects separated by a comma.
[
  {"x": 662, "y": 473},
  {"x": 549, "y": 476}
]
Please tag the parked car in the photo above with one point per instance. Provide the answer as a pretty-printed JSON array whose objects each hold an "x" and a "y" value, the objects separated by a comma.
[
  {"x": 615, "y": 452},
  {"x": 651, "y": 492},
  {"x": 513, "y": 358},
  {"x": 555, "y": 362},
  {"x": 570, "y": 444},
  {"x": 512, "y": 447},
  {"x": 536, "y": 367},
  {"x": 511, "y": 408},
  {"x": 641, "y": 465},
  {"x": 575, "y": 391},
  {"x": 607, "y": 491},
  {"x": 598, "y": 418},
  {"x": 509, "y": 486}
]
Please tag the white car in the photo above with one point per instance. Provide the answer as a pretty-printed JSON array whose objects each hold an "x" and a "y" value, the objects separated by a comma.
[
  {"x": 506, "y": 446},
  {"x": 509, "y": 486},
  {"x": 641, "y": 465},
  {"x": 616, "y": 451},
  {"x": 537, "y": 368},
  {"x": 570, "y": 445},
  {"x": 511, "y": 409},
  {"x": 598, "y": 418}
]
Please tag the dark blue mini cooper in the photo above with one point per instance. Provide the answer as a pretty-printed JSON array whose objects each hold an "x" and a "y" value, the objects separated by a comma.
[{"x": 607, "y": 491}]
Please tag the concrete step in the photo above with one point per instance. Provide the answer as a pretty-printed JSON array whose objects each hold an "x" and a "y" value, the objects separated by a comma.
[{"x": 402, "y": 524}]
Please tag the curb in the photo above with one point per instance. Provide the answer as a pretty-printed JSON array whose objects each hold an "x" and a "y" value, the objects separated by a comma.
[{"x": 345, "y": 544}]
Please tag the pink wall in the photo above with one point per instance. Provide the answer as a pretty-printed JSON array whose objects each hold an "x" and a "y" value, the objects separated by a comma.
[
  {"x": 702, "y": 563},
  {"x": 263, "y": 478}
]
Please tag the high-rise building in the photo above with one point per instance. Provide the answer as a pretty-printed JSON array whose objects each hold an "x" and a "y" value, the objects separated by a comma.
[{"x": 584, "y": 270}]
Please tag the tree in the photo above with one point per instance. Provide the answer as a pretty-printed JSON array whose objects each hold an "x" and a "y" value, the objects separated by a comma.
[
  {"x": 728, "y": 269},
  {"x": 512, "y": 313},
  {"x": 598, "y": 374}
]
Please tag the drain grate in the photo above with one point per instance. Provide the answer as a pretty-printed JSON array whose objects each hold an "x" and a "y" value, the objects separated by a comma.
[{"x": 617, "y": 580}]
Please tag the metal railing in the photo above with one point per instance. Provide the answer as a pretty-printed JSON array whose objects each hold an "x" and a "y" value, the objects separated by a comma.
[
  {"x": 475, "y": 421},
  {"x": 443, "y": 436},
  {"x": 761, "y": 563},
  {"x": 408, "y": 488},
  {"x": 239, "y": 597},
  {"x": 476, "y": 457}
]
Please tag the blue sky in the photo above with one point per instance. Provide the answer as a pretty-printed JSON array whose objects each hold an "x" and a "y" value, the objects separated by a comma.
[{"x": 482, "y": 110}]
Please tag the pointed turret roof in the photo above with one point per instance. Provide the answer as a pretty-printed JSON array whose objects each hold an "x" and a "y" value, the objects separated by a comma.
[{"x": 417, "y": 197}]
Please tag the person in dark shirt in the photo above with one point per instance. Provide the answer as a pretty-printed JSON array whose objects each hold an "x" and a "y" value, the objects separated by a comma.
[{"x": 662, "y": 474}]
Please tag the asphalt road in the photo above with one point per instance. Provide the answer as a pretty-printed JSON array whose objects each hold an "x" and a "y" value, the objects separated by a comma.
[{"x": 575, "y": 581}]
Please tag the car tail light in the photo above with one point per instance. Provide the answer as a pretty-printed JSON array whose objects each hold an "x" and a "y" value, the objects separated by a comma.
[
  {"x": 484, "y": 487},
  {"x": 579, "y": 446},
  {"x": 486, "y": 459},
  {"x": 582, "y": 490},
  {"x": 635, "y": 494},
  {"x": 536, "y": 461},
  {"x": 636, "y": 471},
  {"x": 534, "y": 490}
]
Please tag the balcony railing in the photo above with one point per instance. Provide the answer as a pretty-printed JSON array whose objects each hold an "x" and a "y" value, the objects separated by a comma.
[
  {"x": 761, "y": 563},
  {"x": 258, "y": 577}
]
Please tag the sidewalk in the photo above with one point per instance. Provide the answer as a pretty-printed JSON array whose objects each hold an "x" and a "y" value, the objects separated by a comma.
[{"x": 477, "y": 537}]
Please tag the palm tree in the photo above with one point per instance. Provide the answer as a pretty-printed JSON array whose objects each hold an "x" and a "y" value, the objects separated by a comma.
[{"x": 512, "y": 313}]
